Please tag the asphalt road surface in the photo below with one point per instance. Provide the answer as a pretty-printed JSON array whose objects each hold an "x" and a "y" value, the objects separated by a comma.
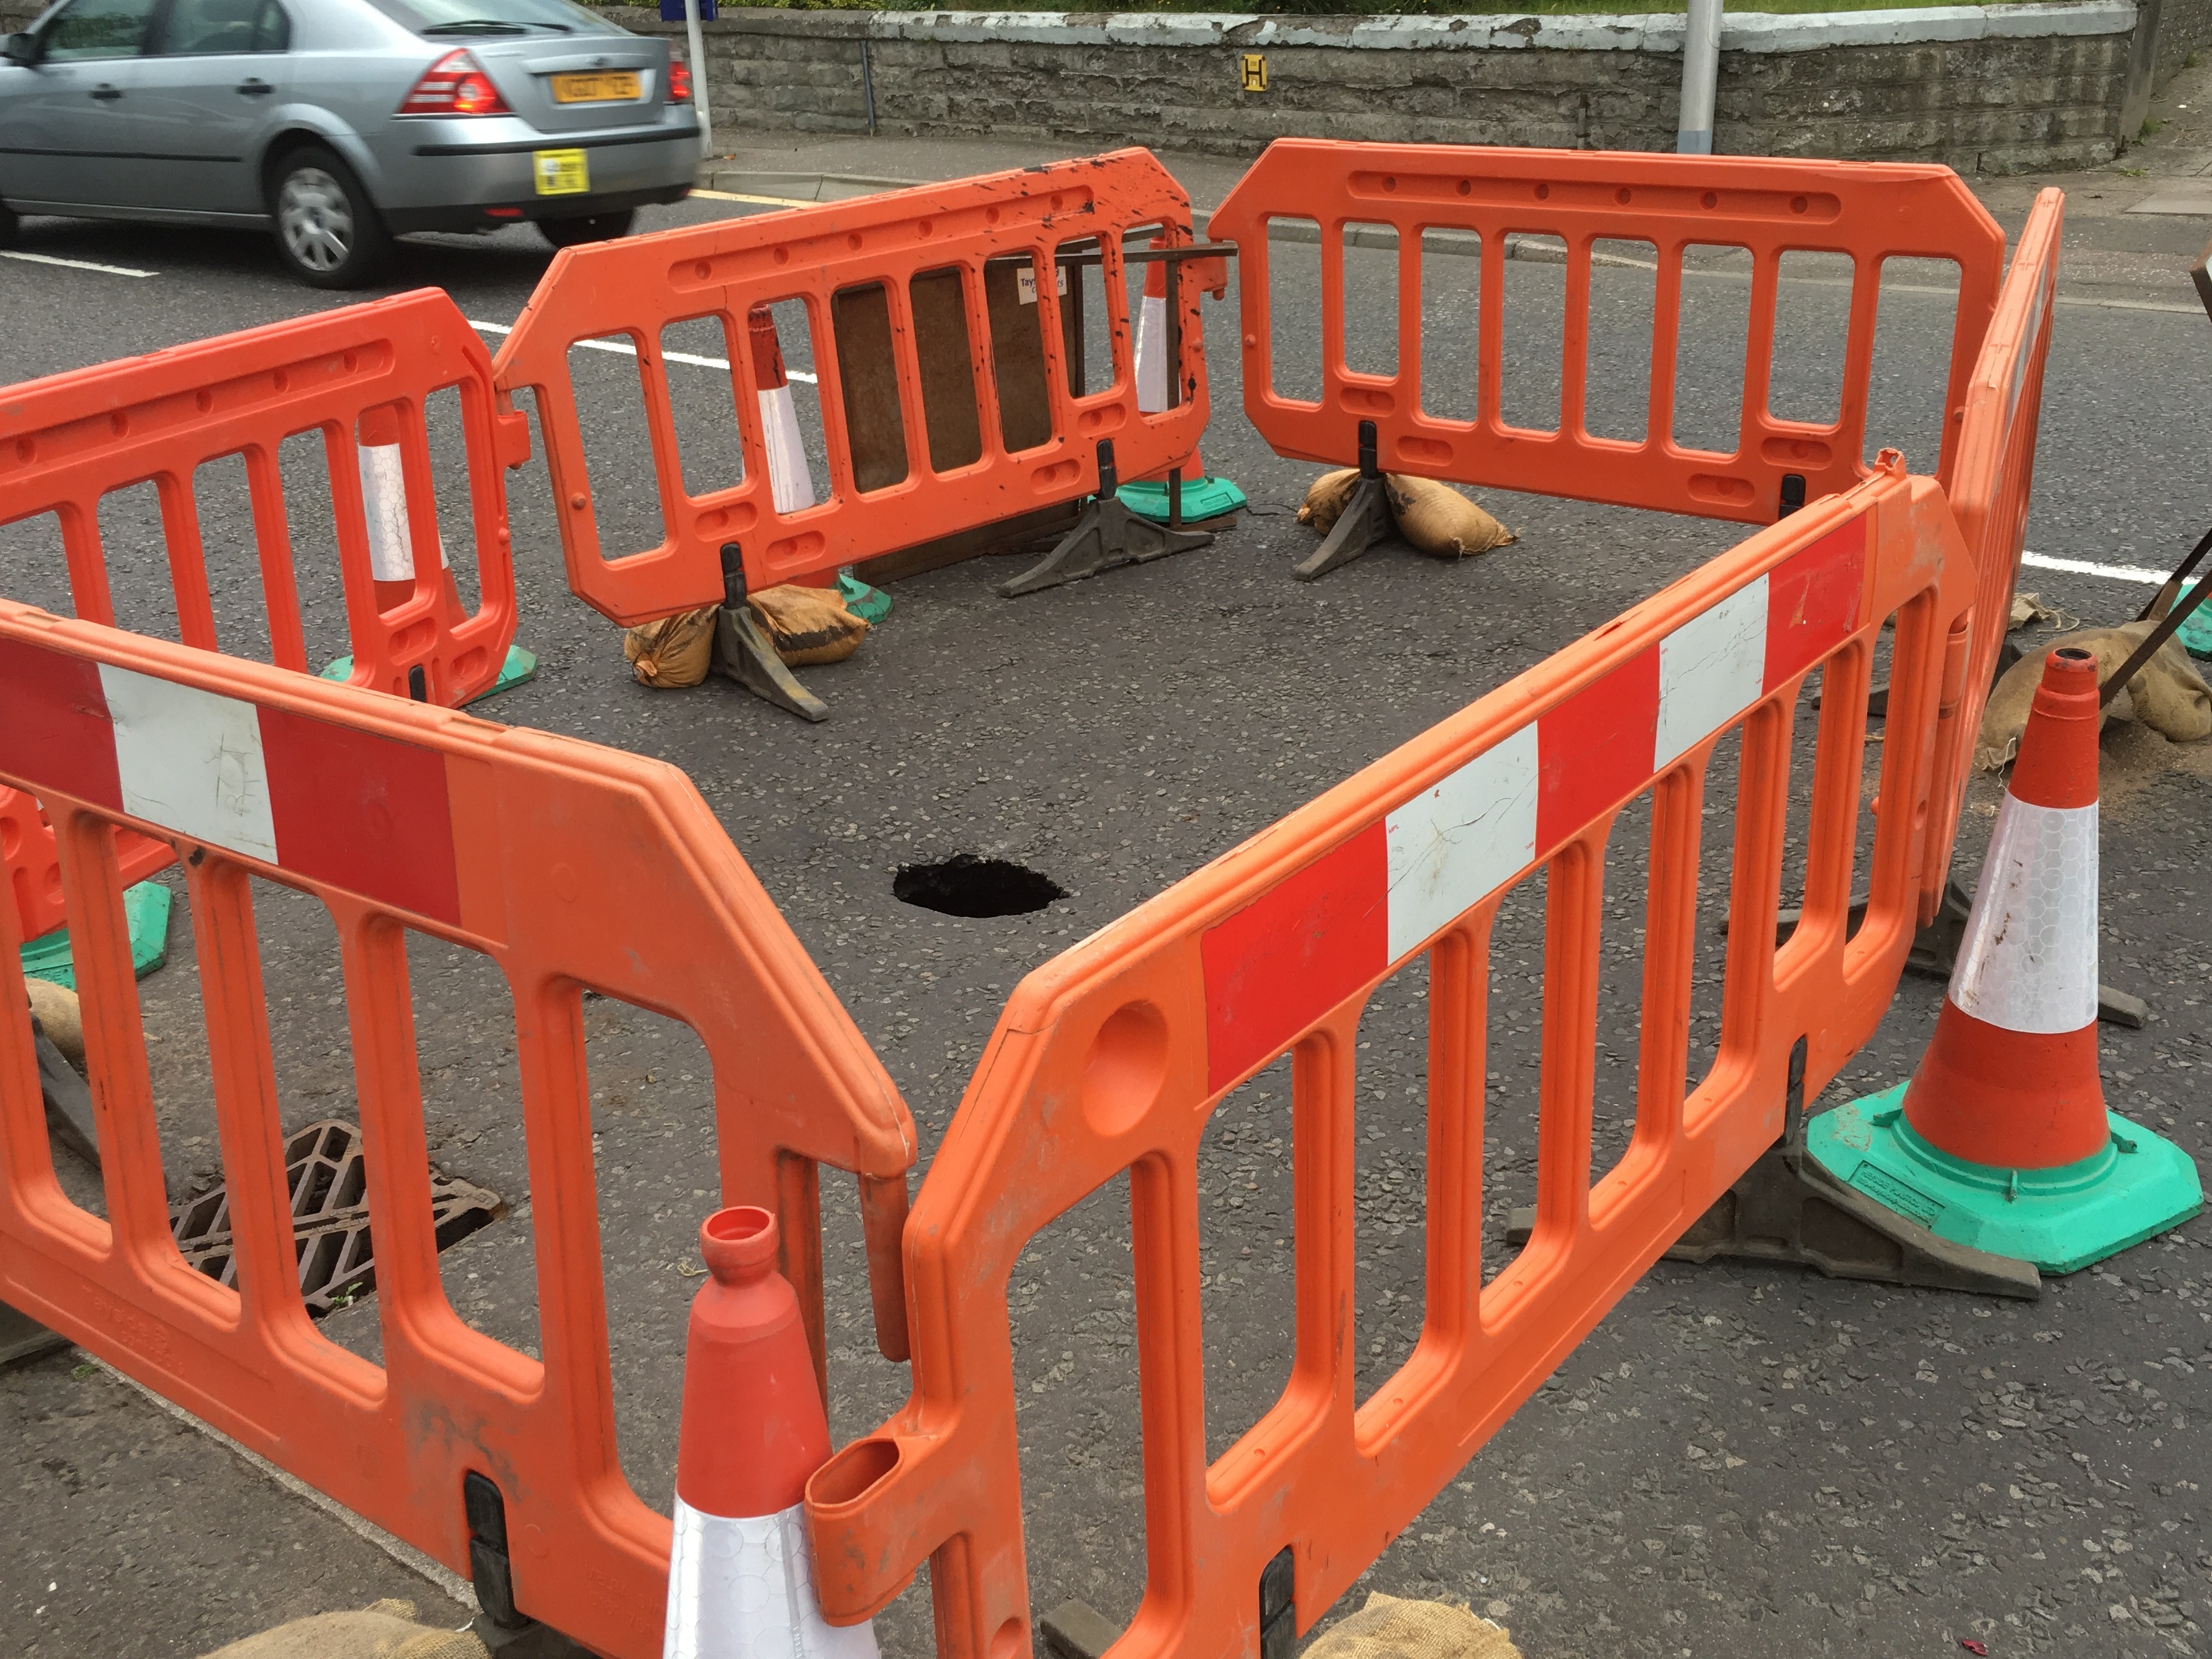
[{"x": 1739, "y": 1461}]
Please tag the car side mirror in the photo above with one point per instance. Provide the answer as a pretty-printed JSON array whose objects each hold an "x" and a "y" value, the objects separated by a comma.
[{"x": 22, "y": 49}]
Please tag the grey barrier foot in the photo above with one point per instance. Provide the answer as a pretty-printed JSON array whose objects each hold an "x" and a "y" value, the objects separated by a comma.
[
  {"x": 743, "y": 654},
  {"x": 1365, "y": 521},
  {"x": 22, "y": 1337},
  {"x": 1073, "y": 1629},
  {"x": 69, "y": 1102},
  {"x": 1107, "y": 535},
  {"x": 1786, "y": 1210},
  {"x": 529, "y": 1640},
  {"x": 1791, "y": 1212}
]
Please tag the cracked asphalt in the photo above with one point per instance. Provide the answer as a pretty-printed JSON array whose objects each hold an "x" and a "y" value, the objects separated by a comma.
[{"x": 1738, "y": 1462}]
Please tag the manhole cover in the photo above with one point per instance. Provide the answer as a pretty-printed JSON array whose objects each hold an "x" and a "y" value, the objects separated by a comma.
[
  {"x": 329, "y": 1183},
  {"x": 965, "y": 885}
]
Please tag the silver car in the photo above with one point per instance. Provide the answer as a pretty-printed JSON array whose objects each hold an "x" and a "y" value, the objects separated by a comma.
[{"x": 341, "y": 124}]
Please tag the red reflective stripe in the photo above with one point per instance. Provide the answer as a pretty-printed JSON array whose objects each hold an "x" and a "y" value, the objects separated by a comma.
[
  {"x": 1294, "y": 953},
  {"x": 1595, "y": 748},
  {"x": 57, "y": 734},
  {"x": 364, "y": 813},
  {"x": 1813, "y": 601}
]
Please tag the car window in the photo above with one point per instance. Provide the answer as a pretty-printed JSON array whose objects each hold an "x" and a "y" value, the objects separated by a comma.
[
  {"x": 496, "y": 17},
  {"x": 97, "y": 28},
  {"x": 196, "y": 29}
]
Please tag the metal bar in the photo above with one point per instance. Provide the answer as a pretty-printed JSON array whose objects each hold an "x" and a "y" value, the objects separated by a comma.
[
  {"x": 2170, "y": 588},
  {"x": 2158, "y": 635},
  {"x": 698, "y": 50}
]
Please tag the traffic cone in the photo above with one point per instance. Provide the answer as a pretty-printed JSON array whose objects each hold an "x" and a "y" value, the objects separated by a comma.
[
  {"x": 789, "y": 484},
  {"x": 392, "y": 545},
  {"x": 740, "y": 1570},
  {"x": 2002, "y": 1139},
  {"x": 1203, "y": 495}
]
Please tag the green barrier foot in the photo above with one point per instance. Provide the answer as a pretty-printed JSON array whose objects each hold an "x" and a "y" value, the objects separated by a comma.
[
  {"x": 870, "y": 604},
  {"x": 1202, "y": 499},
  {"x": 145, "y": 908},
  {"x": 520, "y": 666},
  {"x": 2062, "y": 1219}
]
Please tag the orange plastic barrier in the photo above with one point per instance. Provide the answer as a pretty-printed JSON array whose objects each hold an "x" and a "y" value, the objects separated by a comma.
[
  {"x": 360, "y": 376},
  {"x": 398, "y": 817},
  {"x": 1995, "y": 469},
  {"x": 1111, "y": 1058},
  {"x": 1872, "y": 213},
  {"x": 636, "y": 287}
]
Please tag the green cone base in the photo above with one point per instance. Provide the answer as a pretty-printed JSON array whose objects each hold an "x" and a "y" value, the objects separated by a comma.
[
  {"x": 145, "y": 908},
  {"x": 1202, "y": 499},
  {"x": 520, "y": 666},
  {"x": 870, "y": 604},
  {"x": 2196, "y": 630},
  {"x": 2062, "y": 1219}
]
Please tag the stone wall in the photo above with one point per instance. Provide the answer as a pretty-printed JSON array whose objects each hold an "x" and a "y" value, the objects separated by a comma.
[
  {"x": 1991, "y": 90},
  {"x": 2184, "y": 26}
]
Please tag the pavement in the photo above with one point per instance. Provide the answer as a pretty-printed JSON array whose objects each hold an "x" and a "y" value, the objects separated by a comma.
[{"x": 1738, "y": 1462}]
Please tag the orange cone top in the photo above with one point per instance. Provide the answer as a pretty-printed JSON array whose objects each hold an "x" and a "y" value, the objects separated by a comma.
[{"x": 753, "y": 1427}]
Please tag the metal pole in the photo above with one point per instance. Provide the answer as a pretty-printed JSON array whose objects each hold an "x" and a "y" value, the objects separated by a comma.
[
  {"x": 868, "y": 85},
  {"x": 699, "y": 77},
  {"x": 1701, "y": 74}
]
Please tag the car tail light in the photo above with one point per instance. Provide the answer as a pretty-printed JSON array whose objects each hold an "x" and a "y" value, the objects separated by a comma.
[
  {"x": 679, "y": 82},
  {"x": 455, "y": 85}
]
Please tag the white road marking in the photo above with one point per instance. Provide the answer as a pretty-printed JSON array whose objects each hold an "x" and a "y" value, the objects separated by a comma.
[
  {"x": 2117, "y": 573},
  {"x": 74, "y": 264},
  {"x": 628, "y": 350}
]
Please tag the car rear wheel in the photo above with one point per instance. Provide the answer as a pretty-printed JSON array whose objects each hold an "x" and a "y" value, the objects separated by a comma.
[
  {"x": 328, "y": 230},
  {"x": 594, "y": 227}
]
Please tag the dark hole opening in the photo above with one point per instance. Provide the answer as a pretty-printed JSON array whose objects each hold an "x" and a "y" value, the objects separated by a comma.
[{"x": 965, "y": 885}]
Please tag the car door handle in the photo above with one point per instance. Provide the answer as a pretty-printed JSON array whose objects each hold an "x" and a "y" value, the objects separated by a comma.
[
  {"x": 107, "y": 93},
  {"x": 255, "y": 88}
]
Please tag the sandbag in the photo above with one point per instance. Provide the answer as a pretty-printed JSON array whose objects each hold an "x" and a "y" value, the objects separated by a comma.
[
  {"x": 55, "y": 1007},
  {"x": 1390, "y": 1628},
  {"x": 807, "y": 624},
  {"x": 386, "y": 1629},
  {"x": 1327, "y": 497},
  {"x": 1440, "y": 521},
  {"x": 2167, "y": 694},
  {"x": 674, "y": 652}
]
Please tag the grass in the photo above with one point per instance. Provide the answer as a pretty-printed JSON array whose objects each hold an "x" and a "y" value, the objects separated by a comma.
[{"x": 1348, "y": 8}]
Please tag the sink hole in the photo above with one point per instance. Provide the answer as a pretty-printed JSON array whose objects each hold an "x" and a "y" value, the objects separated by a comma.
[{"x": 965, "y": 885}]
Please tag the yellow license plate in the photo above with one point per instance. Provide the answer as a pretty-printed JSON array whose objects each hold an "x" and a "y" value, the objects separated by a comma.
[
  {"x": 596, "y": 88},
  {"x": 562, "y": 172}
]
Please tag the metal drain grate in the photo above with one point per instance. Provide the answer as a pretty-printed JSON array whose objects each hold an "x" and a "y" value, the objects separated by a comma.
[{"x": 329, "y": 1183}]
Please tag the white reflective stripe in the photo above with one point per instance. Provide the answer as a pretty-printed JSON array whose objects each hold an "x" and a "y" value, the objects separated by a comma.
[
  {"x": 1710, "y": 670},
  {"x": 384, "y": 495},
  {"x": 788, "y": 483},
  {"x": 190, "y": 761},
  {"x": 384, "y": 498},
  {"x": 1152, "y": 355},
  {"x": 743, "y": 1589},
  {"x": 2030, "y": 960},
  {"x": 1451, "y": 844}
]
